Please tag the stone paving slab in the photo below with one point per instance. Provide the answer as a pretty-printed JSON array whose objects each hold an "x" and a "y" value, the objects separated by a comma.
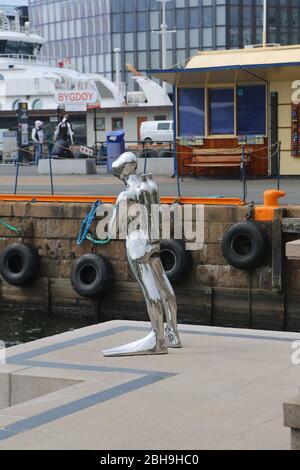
[{"x": 224, "y": 390}]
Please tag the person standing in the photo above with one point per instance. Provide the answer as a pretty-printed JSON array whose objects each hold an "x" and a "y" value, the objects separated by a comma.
[
  {"x": 38, "y": 139},
  {"x": 63, "y": 138}
]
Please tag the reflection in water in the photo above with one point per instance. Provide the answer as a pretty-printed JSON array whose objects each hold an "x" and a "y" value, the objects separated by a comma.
[{"x": 22, "y": 327}]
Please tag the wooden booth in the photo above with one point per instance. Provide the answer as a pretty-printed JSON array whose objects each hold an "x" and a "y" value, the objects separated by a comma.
[{"x": 227, "y": 101}]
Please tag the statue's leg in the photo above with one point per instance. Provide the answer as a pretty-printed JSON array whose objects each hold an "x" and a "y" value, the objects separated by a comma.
[
  {"x": 155, "y": 342},
  {"x": 146, "y": 278},
  {"x": 169, "y": 303}
]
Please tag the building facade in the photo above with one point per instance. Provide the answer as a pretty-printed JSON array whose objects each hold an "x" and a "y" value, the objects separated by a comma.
[{"x": 87, "y": 31}]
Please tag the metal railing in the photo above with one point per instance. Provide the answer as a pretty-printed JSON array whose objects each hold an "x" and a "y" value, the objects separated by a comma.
[
  {"x": 273, "y": 152},
  {"x": 141, "y": 149},
  {"x": 22, "y": 58},
  {"x": 147, "y": 151}
]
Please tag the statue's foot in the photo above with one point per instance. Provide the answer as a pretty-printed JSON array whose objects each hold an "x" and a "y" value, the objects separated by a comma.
[
  {"x": 172, "y": 338},
  {"x": 145, "y": 346}
]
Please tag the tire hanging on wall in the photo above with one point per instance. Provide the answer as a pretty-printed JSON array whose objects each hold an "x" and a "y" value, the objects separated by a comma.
[
  {"x": 245, "y": 245},
  {"x": 91, "y": 275},
  {"x": 19, "y": 264},
  {"x": 175, "y": 259}
]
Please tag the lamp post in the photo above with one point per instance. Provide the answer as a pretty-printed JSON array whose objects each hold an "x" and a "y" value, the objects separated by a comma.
[
  {"x": 265, "y": 23},
  {"x": 164, "y": 33}
]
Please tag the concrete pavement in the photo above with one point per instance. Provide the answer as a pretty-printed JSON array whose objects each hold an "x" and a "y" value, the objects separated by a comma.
[{"x": 224, "y": 390}]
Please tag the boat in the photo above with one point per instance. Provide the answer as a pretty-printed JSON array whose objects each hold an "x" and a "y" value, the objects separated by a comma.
[{"x": 26, "y": 76}]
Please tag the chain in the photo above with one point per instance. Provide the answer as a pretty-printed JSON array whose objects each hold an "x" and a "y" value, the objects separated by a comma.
[{"x": 250, "y": 211}]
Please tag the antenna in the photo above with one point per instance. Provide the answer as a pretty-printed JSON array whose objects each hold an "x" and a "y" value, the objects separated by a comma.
[{"x": 164, "y": 33}]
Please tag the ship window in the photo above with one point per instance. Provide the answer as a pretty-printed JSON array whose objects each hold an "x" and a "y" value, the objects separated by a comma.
[
  {"x": 2, "y": 77},
  {"x": 37, "y": 104},
  {"x": 15, "y": 105},
  {"x": 11, "y": 47},
  {"x": 191, "y": 112},
  {"x": 26, "y": 48},
  {"x": 2, "y": 47}
]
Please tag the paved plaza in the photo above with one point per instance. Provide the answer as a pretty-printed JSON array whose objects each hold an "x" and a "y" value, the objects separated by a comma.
[{"x": 224, "y": 390}]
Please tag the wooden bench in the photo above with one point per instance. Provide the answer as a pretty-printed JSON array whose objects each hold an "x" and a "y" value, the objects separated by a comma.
[{"x": 216, "y": 158}]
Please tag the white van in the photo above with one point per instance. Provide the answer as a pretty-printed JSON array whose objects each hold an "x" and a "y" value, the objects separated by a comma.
[{"x": 157, "y": 131}]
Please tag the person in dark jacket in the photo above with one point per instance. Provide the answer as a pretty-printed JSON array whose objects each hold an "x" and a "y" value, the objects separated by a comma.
[{"x": 63, "y": 138}]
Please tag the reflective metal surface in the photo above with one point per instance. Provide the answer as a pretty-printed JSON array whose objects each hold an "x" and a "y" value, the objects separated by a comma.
[{"x": 143, "y": 249}]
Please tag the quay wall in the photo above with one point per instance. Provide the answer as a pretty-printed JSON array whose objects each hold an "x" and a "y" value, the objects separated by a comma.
[{"x": 213, "y": 293}]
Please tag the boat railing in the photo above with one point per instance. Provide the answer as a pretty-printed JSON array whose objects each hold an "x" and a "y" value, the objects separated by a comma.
[
  {"x": 36, "y": 60},
  {"x": 19, "y": 29},
  {"x": 22, "y": 58}
]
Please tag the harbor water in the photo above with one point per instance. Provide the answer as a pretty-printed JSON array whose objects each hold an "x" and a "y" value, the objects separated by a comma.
[{"x": 22, "y": 327}]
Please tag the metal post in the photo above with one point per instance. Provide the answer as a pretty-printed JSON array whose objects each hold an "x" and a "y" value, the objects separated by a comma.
[
  {"x": 265, "y": 20},
  {"x": 176, "y": 172},
  {"x": 95, "y": 128},
  {"x": 146, "y": 158},
  {"x": 164, "y": 33},
  {"x": 164, "y": 29},
  {"x": 51, "y": 174},
  {"x": 17, "y": 173},
  {"x": 243, "y": 174},
  {"x": 278, "y": 165},
  {"x": 117, "y": 52}
]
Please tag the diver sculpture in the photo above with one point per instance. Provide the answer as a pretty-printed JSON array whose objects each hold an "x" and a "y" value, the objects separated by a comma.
[{"x": 143, "y": 253}]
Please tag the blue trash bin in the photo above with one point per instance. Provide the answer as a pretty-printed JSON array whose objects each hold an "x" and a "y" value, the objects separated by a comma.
[{"x": 115, "y": 143}]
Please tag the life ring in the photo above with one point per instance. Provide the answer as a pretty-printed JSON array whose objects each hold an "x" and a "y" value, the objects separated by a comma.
[
  {"x": 91, "y": 275},
  {"x": 245, "y": 245},
  {"x": 175, "y": 259},
  {"x": 19, "y": 264}
]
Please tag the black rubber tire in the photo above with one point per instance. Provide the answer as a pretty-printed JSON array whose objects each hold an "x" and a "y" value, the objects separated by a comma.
[
  {"x": 91, "y": 275},
  {"x": 175, "y": 259},
  {"x": 20, "y": 264},
  {"x": 245, "y": 246}
]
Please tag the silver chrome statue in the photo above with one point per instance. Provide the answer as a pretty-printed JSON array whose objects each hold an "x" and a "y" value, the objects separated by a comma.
[{"x": 143, "y": 250}]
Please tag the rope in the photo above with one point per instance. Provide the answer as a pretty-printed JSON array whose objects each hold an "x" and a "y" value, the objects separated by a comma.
[
  {"x": 84, "y": 233},
  {"x": 90, "y": 238},
  {"x": 87, "y": 222},
  {"x": 10, "y": 227},
  {"x": 274, "y": 154}
]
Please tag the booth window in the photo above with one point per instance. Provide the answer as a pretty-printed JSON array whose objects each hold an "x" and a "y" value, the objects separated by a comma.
[
  {"x": 251, "y": 109},
  {"x": 221, "y": 107},
  {"x": 191, "y": 112}
]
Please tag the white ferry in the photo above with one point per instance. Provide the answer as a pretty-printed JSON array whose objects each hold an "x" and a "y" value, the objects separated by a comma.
[{"x": 25, "y": 76}]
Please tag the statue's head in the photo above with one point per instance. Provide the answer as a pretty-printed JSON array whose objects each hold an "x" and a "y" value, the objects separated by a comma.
[{"x": 125, "y": 165}]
